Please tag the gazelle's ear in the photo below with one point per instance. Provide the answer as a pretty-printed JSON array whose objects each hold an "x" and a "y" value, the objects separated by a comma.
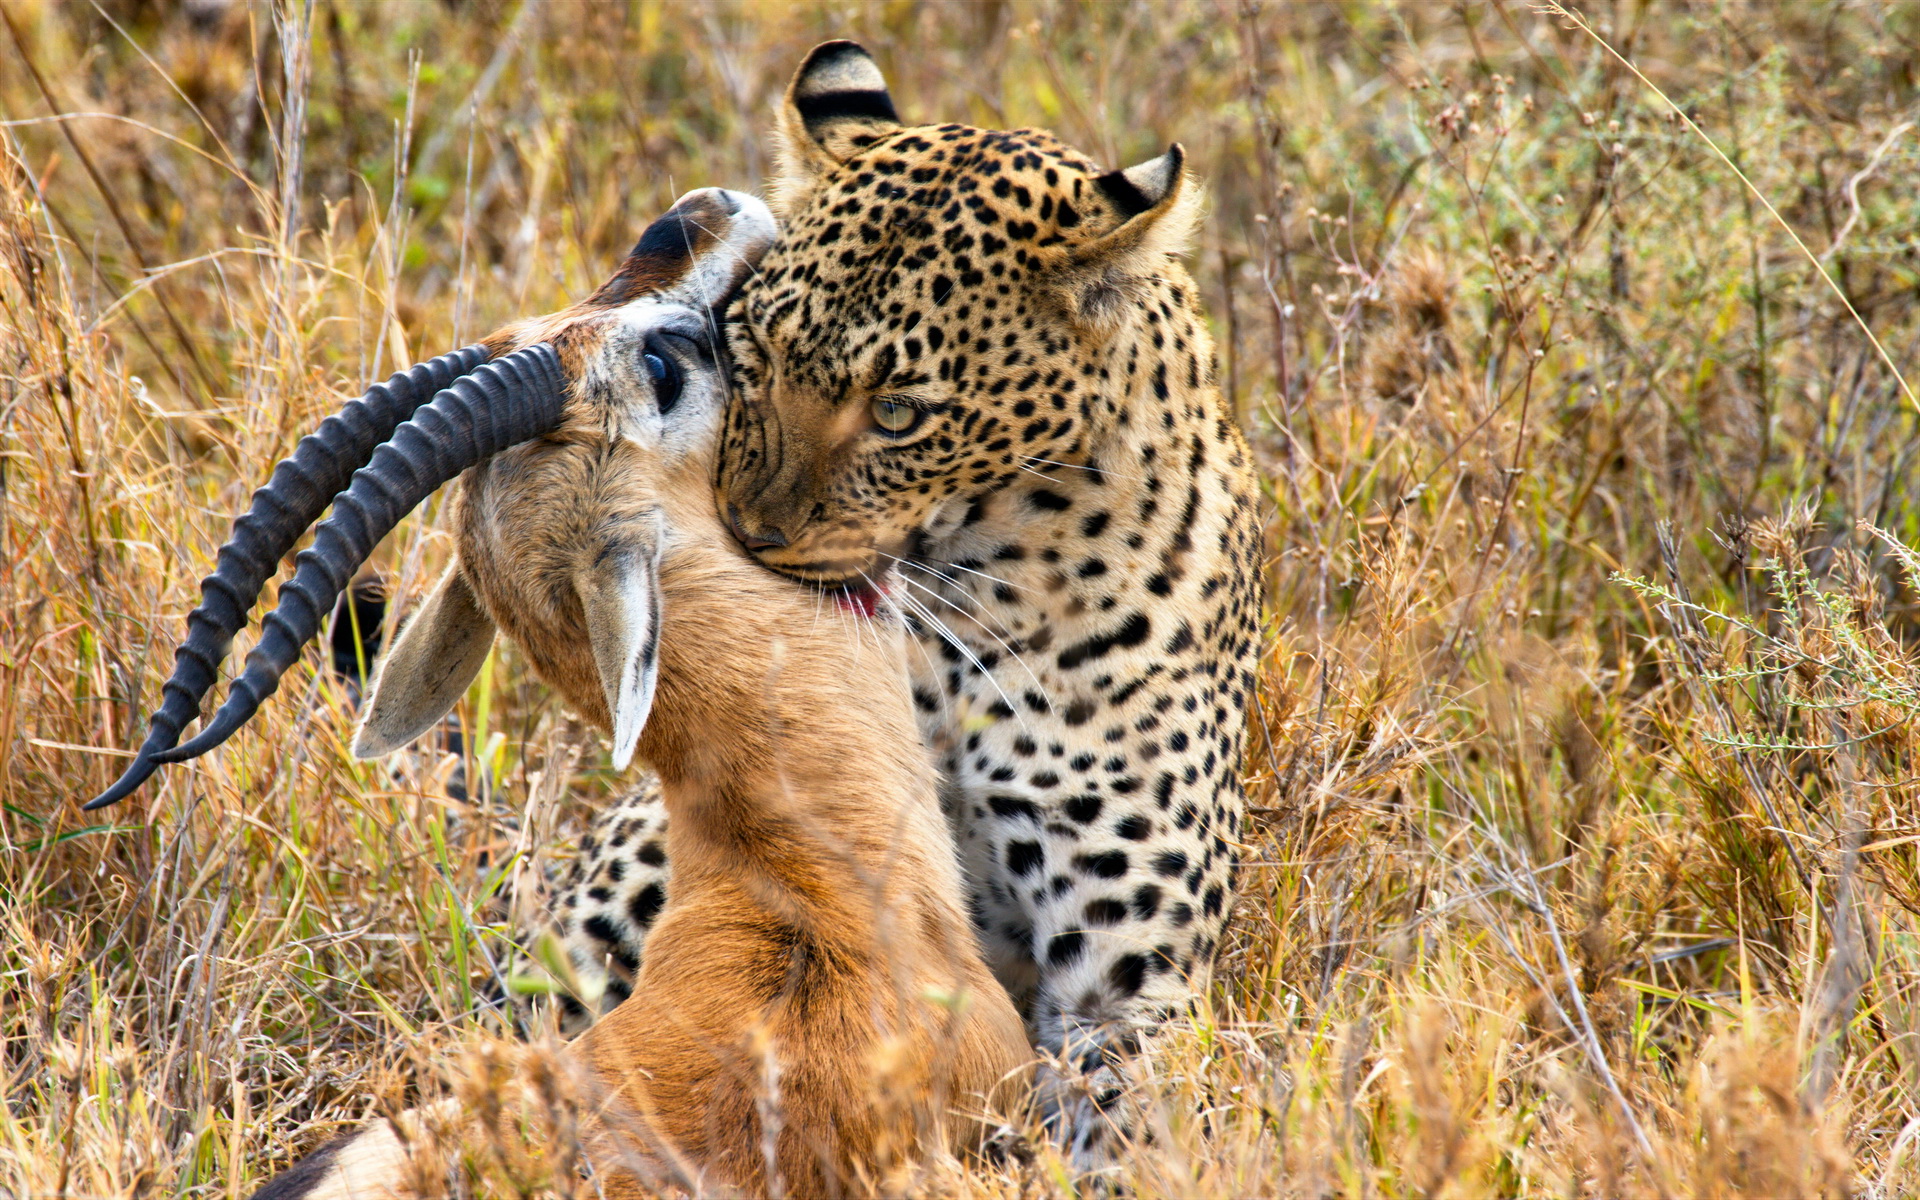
[
  {"x": 1153, "y": 208},
  {"x": 431, "y": 664},
  {"x": 837, "y": 103},
  {"x": 620, "y": 594}
]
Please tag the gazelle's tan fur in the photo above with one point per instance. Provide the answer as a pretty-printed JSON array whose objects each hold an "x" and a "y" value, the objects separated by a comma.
[{"x": 813, "y": 1011}]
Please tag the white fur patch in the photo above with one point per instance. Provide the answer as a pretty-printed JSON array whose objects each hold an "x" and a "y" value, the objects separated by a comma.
[
  {"x": 1155, "y": 177},
  {"x": 849, "y": 69}
]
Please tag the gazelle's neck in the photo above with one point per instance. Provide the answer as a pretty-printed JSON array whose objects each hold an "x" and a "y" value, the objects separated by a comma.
[{"x": 784, "y": 737}]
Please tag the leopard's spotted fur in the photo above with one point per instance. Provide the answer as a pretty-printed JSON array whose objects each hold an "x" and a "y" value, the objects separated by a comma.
[
  {"x": 607, "y": 898},
  {"x": 1070, "y": 520}
]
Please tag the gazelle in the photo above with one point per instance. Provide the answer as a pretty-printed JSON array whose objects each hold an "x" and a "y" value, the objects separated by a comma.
[{"x": 816, "y": 933}]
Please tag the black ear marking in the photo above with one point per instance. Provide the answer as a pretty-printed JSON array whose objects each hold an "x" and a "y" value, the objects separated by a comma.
[
  {"x": 1138, "y": 188},
  {"x": 830, "y": 106},
  {"x": 839, "y": 81},
  {"x": 1123, "y": 194}
]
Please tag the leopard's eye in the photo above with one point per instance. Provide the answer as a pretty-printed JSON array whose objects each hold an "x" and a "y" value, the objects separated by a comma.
[{"x": 894, "y": 417}]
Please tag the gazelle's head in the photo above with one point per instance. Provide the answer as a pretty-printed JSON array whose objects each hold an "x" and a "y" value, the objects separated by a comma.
[
  {"x": 580, "y": 430},
  {"x": 560, "y": 537}
]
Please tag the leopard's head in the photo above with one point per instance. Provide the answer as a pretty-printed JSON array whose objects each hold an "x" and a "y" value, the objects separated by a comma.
[{"x": 945, "y": 307}]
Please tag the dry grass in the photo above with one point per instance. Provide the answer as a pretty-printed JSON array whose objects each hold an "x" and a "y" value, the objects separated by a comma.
[{"x": 1587, "y": 859}]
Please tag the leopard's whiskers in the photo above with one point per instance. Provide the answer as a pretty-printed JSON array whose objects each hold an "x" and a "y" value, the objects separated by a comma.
[
  {"x": 923, "y": 565},
  {"x": 1078, "y": 467},
  {"x": 1015, "y": 655},
  {"x": 953, "y": 639}
]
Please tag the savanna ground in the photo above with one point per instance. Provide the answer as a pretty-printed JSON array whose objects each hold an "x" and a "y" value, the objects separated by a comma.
[{"x": 1586, "y": 857}]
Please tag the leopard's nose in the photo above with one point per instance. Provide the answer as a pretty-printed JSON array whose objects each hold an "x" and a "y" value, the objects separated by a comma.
[{"x": 766, "y": 539}]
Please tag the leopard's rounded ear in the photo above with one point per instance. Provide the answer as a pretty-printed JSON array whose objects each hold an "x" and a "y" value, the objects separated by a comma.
[
  {"x": 837, "y": 103},
  {"x": 1155, "y": 206},
  {"x": 1144, "y": 187}
]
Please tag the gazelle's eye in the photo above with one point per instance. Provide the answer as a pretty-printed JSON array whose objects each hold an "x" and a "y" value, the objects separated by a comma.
[
  {"x": 894, "y": 417},
  {"x": 665, "y": 373}
]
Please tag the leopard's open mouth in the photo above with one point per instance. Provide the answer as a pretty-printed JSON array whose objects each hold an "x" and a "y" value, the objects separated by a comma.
[
  {"x": 859, "y": 592},
  {"x": 859, "y": 596},
  {"x": 864, "y": 592}
]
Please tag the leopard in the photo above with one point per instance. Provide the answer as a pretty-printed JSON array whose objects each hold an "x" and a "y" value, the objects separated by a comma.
[
  {"x": 603, "y": 904},
  {"x": 974, "y": 387}
]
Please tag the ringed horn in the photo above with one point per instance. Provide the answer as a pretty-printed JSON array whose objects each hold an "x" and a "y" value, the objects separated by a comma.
[{"x": 404, "y": 448}]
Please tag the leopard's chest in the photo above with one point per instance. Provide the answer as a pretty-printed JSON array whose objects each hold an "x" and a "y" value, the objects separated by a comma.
[{"x": 1077, "y": 665}]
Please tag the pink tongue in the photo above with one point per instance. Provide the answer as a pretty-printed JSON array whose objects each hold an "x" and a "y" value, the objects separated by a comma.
[{"x": 858, "y": 598}]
